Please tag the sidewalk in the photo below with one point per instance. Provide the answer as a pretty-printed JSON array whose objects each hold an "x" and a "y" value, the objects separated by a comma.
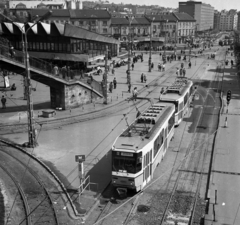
[{"x": 224, "y": 187}]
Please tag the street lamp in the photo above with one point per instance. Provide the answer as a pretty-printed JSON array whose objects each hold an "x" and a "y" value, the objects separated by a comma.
[
  {"x": 32, "y": 142},
  {"x": 150, "y": 52},
  {"x": 165, "y": 39},
  {"x": 130, "y": 19}
]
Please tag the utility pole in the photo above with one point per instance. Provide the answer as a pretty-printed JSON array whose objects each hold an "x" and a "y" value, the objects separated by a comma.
[
  {"x": 150, "y": 50},
  {"x": 105, "y": 78}
]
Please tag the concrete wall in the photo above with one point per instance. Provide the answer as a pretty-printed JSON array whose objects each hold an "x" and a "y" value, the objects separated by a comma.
[{"x": 76, "y": 95}]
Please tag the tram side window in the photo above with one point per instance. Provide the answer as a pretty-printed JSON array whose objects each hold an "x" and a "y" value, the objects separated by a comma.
[
  {"x": 158, "y": 143},
  {"x": 186, "y": 98},
  {"x": 180, "y": 106},
  {"x": 171, "y": 122}
]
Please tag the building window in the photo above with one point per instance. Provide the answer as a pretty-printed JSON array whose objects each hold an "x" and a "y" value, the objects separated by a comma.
[
  {"x": 81, "y": 23},
  {"x": 93, "y": 22},
  {"x": 104, "y": 23},
  {"x": 104, "y": 30}
]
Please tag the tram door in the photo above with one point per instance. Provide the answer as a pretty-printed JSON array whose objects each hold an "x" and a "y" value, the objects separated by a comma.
[
  {"x": 165, "y": 139},
  {"x": 147, "y": 166}
]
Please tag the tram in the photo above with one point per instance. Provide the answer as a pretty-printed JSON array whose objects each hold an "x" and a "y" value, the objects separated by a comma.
[
  {"x": 141, "y": 147},
  {"x": 180, "y": 94}
]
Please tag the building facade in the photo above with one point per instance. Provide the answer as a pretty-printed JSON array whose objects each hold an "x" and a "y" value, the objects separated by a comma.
[
  {"x": 201, "y": 12},
  {"x": 225, "y": 21}
]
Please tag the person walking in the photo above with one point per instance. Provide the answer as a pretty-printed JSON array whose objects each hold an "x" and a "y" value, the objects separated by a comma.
[
  {"x": 114, "y": 83},
  {"x": 177, "y": 72},
  {"x": 184, "y": 72},
  {"x": 110, "y": 87},
  {"x": 55, "y": 70},
  {"x": 142, "y": 78},
  {"x": 163, "y": 67},
  {"x": 64, "y": 72},
  {"x": 189, "y": 64},
  {"x": 180, "y": 72},
  {"x": 3, "y": 100},
  {"x": 132, "y": 66},
  {"x": 113, "y": 71},
  {"x": 135, "y": 93},
  {"x": 129, "y": 87}
]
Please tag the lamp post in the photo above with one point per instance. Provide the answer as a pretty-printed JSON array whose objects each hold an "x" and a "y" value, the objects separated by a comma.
[
  {"x": 165, "y": 39},
  {"x": 150, "y": 50},
  {"x": 130, "y": 19},
  {"x": 176, "y": 37},
  {"x": 105, "y": 77},
  {"x": 32, "y": 142}
]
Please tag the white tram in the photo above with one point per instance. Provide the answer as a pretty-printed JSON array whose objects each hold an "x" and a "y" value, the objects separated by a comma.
[
  {"x": 141, "y": 147},
  {"x": 180, "y": 94}
]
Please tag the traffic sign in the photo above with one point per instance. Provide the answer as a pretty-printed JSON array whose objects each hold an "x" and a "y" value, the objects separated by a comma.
[{"x": 79, "y": 158}]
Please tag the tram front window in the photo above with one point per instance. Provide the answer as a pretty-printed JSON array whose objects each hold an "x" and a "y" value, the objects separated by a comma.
[{"x": 126, "y": 162}]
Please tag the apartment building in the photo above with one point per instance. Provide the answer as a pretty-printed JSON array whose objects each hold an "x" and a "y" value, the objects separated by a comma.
[
  {"x": 98, "y": 21},
  {"x": 201, "y": 12},
  {"x": 225, "y": 20}
]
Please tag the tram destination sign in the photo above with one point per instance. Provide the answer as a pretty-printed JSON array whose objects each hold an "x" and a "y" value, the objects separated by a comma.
[{"x": 79, "y": 158}]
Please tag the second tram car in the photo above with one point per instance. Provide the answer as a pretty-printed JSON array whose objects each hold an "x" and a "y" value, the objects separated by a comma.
[
  {"x": 180, "y": 94},
  {"x": 141, "y": 147}
]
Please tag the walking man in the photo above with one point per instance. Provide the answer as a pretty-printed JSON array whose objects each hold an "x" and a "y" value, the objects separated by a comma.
[
  {"x": 3, "y": 100},
  {"x": 184, "y": 72},
  {"x": 135, "y": 92},
  {"x": 129, "y": 87},
  {"x": 114, "y": 83},
  {"x": 189, "y": 64}
]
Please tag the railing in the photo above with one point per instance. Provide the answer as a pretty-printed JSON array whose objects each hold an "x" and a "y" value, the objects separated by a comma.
[{"x": 65, "y": 74}]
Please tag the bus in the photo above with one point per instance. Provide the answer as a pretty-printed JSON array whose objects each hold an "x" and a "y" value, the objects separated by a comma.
[{"x": 141, "y": 147}]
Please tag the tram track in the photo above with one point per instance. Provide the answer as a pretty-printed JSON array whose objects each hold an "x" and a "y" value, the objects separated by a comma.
[
  {"x": 34, "y": 188},
  {"x": 21, "y": 194},
  {"x": 194, "y": 172},
  {"x": 42, "y": 195},
  {"x": 186, "y": 186}
]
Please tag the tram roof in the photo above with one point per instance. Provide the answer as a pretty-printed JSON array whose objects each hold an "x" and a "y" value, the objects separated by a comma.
[
  {"x": 176, "y": 90},
  {"x": 54, "y": 29},
  {"x": 143, "y": 129}
]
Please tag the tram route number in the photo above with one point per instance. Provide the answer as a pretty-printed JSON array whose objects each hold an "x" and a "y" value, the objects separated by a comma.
[{"x": 79, "y": 158}]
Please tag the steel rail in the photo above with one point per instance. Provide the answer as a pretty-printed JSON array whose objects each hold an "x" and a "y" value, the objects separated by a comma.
[
  {"x": 40, "y": 182},
  {"x": 22, "y": 194}
]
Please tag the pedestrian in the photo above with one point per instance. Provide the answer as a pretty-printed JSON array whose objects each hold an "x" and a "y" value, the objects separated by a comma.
[
  {"x": 182, "y": 65},
  {"x": 129, "y": 87},
  {"x": 177, "y": 72},
  {"x": 231, "y": 62},
  {"x": 55, "y": 70},
  {"x": 163, "y": 67},
  {"x": 142, "y": 78},
  {"x": 114, "y": 83},
  {"x": 135, "y": 93},
  {"x": 189, "y": 64},
  {"x": 110, "y": 87},
  {"x": 132, "y": 66},
  {"x": 152, "y": 65},
  {"x": 3, "y": 100},
  {"x": 113, "y": 71},
  {"x": 184, "y": 72},
  {"x": 181, "y": 71},
  {"x": 11, "y": 51},
  {"x": 64, "y": 72}
]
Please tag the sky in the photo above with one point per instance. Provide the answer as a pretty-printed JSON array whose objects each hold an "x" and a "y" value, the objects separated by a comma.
[{"x": 217, "y": 4}]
